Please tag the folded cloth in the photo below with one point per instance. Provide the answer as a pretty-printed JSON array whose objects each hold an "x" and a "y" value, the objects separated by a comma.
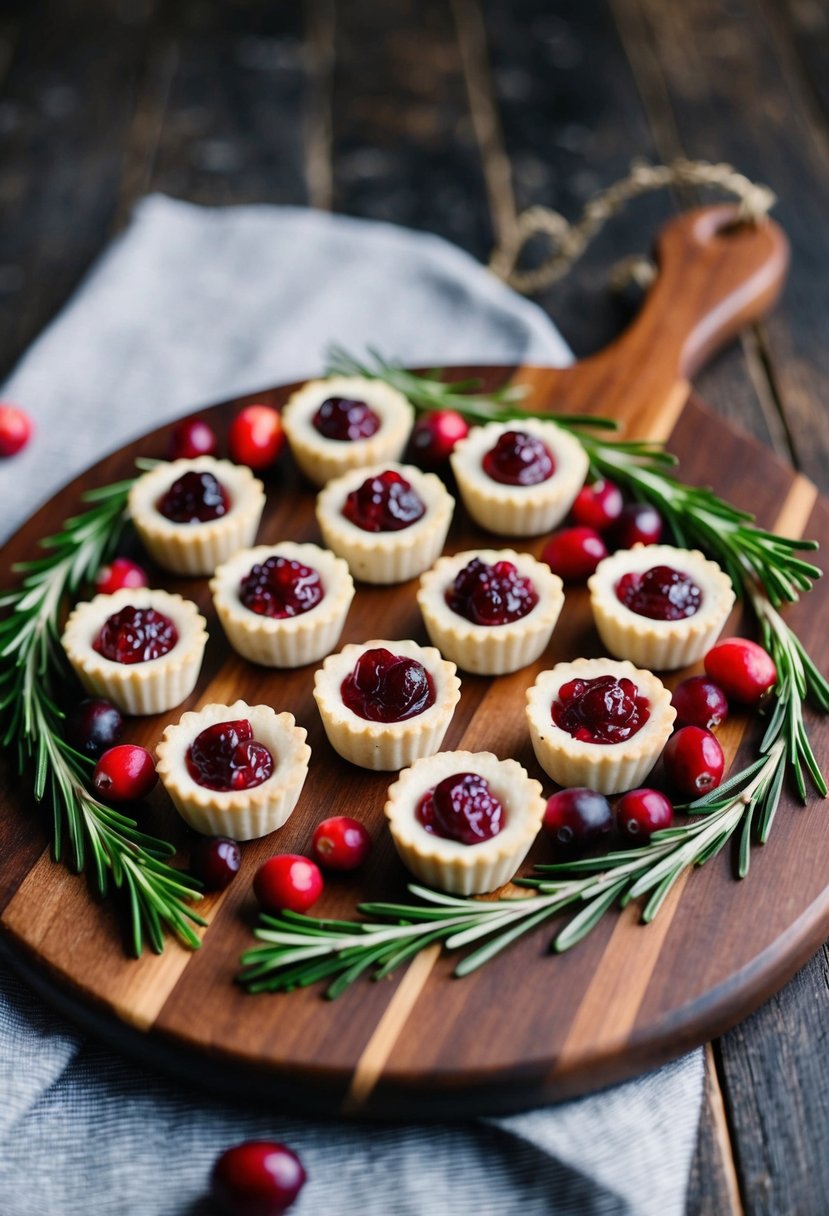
[{"x": 188, "y": 307}]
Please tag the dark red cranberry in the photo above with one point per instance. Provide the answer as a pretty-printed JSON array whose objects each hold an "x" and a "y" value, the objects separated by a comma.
[
  {"x": 340, "y": 843},
  {"x": 660, "y": 594},
  {"x": 600, "y": 710},
  {"x": 640, "y": 813},
  {"x": 281, "y": 587},
  {"x": 136, "y": 635},
  {"x": 385, "y": 503},
  {"x": 574, "y": 553},
  {"x": 121, "y": 572},
  {"x": 345, "y": 420},
  {"x": 257, "y": 1178},
  {"x": 194, "y": 498},
  {"x": 16, "y": 429},
  {"x": 288, "y": 882},
  {"x": 491, "y": 595},
  {"x": 598, "y": 505},
  {"x": 694, "y": 761},
  {"x": 577, "y": 818},
  {"x": 191, "y": 438},
  {"x": 386, "y": 687},
  {"x": 463, "y": 808},
  {"x": 744, "y": 670},
  {"x": 124, "y": 773},
  {"x": 638, "y": 524},
  {"x": 256, "y": 436},
  {"x": 215, "y": 860},
  {"x": 698, "y": 701},
  {"x": 434, "y": 436},
  {"x": 519, "y": 459},
  {"x": 226, "y": 756},
  {"x": 94, "y": 725}
]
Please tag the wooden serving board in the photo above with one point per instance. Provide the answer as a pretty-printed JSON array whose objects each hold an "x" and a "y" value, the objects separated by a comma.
[{"x": 529, "y": 1027}]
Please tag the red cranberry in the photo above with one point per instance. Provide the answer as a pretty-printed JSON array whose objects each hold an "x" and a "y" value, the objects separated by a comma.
[
  {"x": 574, "y": 553},
  {"x": 340, "y": 843},
  {"x": 257, "y": 1178},
  {"x": 698, "y": 701},
  {"x": 385, "y": 503},
  {"x": 434, "y": 436},
  {"x": 194, "y": 498},
  {"x": 463, "y": 808},
  {"x": 215, "y": 860},
  {"x": 136, "y": 635},
  {"x": 124, "y": 773},
  {"x": 660, "y": 594},
  {"x": 491, "y": 595},
  {"x": 694, "y": 761},
  {"x": 287, "y": 882},
  {"x": 577, "y": 818},
  {"x": 281, "y": 587},
  {"x": 519, "y": 459},
  {"x": 638, "y": 524},
  {"x": 598, "y": 505},
  {"x": 345, "y": 420},
  {"x": 385, "y": 687},
  {"x": 256, "y": 437},
  {"x": 226, "y": 756},
  {"x": 640, "y": 813},
  {"x": 94, "y": 725},
  {"x": 600, "y": 710},
  {"x": 15, "y": 430},
  {"x": 121, "y": 572},
  {"x": 743, "y": 669},
  {"x": 191, "y": 438}
]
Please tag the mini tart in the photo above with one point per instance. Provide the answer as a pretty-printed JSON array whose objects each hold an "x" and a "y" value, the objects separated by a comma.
[
  {"x": 240, "y": 814},
  {"x": 383, "y": 746},
  {"x": 386, "y": 557},
  {"x": 465, "y": 869},
  {"x": 150, "y": 687},
  {"x": 519, "y": 510},
  {"x": 292, "y": 641},
  {"x": 490, "y": 650},
  {"x": 659, "y": 645},
  {"x": 197, "y": 548},
  {"x": 606, "y": 767},
  {"x": 320, "y": 458}
]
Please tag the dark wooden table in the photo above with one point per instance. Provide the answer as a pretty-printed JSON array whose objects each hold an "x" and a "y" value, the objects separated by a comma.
[{"x": 452, "y": 117}]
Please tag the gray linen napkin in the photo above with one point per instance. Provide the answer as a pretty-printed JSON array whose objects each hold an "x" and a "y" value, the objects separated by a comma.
[{"x": 190, "y": 306}]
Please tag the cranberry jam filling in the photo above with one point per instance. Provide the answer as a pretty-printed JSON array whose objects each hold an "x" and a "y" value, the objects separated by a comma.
[
  {"x": 136, "y": 635},
  {"x": 519, "y": 459},
  {"x": 385, "y": 687},
  {"x": 385, "y": 503},
  {"x": 280, "y": 588},
  {"x": 463, "y": 808},
  {"x": 196, "y": 498},
  {"x": 661, "y": 594},
  {"x": 601, "y": 710},
  {"x": 226, "y": 756},
  {"x": 345, "y": 420},
  {"x": 491, "y": 595}
]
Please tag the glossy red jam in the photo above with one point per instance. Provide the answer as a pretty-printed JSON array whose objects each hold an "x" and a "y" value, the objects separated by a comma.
[
  {"x": 660, "y": 594},
  {"x": 345, "y": 420},
  {"x": 519, "y": 459},
  {"x": 281, "y": 588},
  {"x": 385, "y": 687},
  {"x": 385, "y": 503},
  {"x": 491, "y": 595},
  {"x": 601, "y": 710},
  {"x": 226, "y": 756},
  {"x": 195, "y": 498},
  {"x": 463, "y": 808},
  {"x": 136, "y": 635}
]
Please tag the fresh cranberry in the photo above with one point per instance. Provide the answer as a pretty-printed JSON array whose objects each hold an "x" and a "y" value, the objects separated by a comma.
[
  {"x": 694, "y": 761},
  {"x": 640, "y": 813},
  {"x": 345, "y": 420},
  {"x": 385, "y": 503},
  {"x": 15, "y": 430},
  {"x": 574, "y": 553},
  {"x": 121, "y": 572},
  {"x": 287, "y": 882},
  {"x": 638, "y": 524},
  {"x": 434, "y": 436},
  {"x": 519, "y": 459},
  {"x": 136, "y": 635},
  {"x": 698, "y": 701},
  {"x": 600, "y": 710},
  {"x": 191, "y": 438},
  {"x": 340, "y": 843},
  {"x": 225, "y": 756},
  {"x": 124, "y": 773},
  {"x": 660, "y": 594},
  {"x": 257, "y": 1178},
  {"x": 577, "y": 818},
  {"x": 256, "y": 437},
  {"x": 194, "y": 498},
  {"x": 491, "y": 595},
  {"x": 386, "y": 687},
  {"x": 598, "y": 505},
  {"x": 215, "y": 860},
  {"x": 743, "y": 669},
  {"x": 281, "y": 587},
  {"x": 463, "y": 808},
  {"x": 94, "y": 725}
]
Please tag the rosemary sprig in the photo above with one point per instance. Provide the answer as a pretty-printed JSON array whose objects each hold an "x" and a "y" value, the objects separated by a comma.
[{"x": 101, "y": 840}]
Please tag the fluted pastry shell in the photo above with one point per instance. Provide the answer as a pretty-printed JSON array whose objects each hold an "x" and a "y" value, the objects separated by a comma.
[
  {"x": 447, "y": 864},
  {"x": 606, "y": 767},
  {"x": 150, "y": 687},
  {"x": 195, "y": 549},
  {"x": 384, "y": 746},
  {"x": 490, "y": 650},
  {"x": 519, "y": 510},
  {"x": 240, "y": 814}
]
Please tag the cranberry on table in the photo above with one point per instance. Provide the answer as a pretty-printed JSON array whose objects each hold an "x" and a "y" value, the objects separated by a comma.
[
  {"x": 638, "y": 524},
  {"x": 93, "y": 726},
  {"x": 16, "y": 428},
  {"x": 742, "y": 668},
  {"x": 124, "y": 773},
  {"x": 191, "y": 438},
  {"x": 121, "y": 572},
  {"x": 345, "y": 420},
  {"x": 461, "y": 807},
  {"x": 640, "y": 813},
  {"x": 698, "y": 701},
  {"x": 694, "y": 761},
  {"x": 256, "y": 437},
  {"x": 215, "y": 860},
  {"x": 434, "y": 436},
  {"x": 574, "y": 553},
  {"x": 287, "y": 882},
  {"x": 341, "y": 843},
  {"x": 386, "y": 687},
  {"x": 597, "y": 505},
  {"x": 576, "y": 818},
  {"x": 257, "y": 1178},
  {"x": 519, "y": 459}
]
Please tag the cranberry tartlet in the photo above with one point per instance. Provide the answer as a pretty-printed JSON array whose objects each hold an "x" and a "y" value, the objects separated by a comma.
[
  {"x": 598, "y": 723},
  {"x": 283, "y": 605},
  {"x": 139, "y": 648},
  {"x": 192, "y": 515},
  {"x": 519, "y": 479},
  {"x": 464, "y": 821},
  {"x": 389, "y": 522},
  {"x": 491, "y": 611},
  {"x": 659, "y": 606},
  {"x": 384, "y": 704},
  {"x": 345, "y": 422},
  {"x": 234, "y": 770}
]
